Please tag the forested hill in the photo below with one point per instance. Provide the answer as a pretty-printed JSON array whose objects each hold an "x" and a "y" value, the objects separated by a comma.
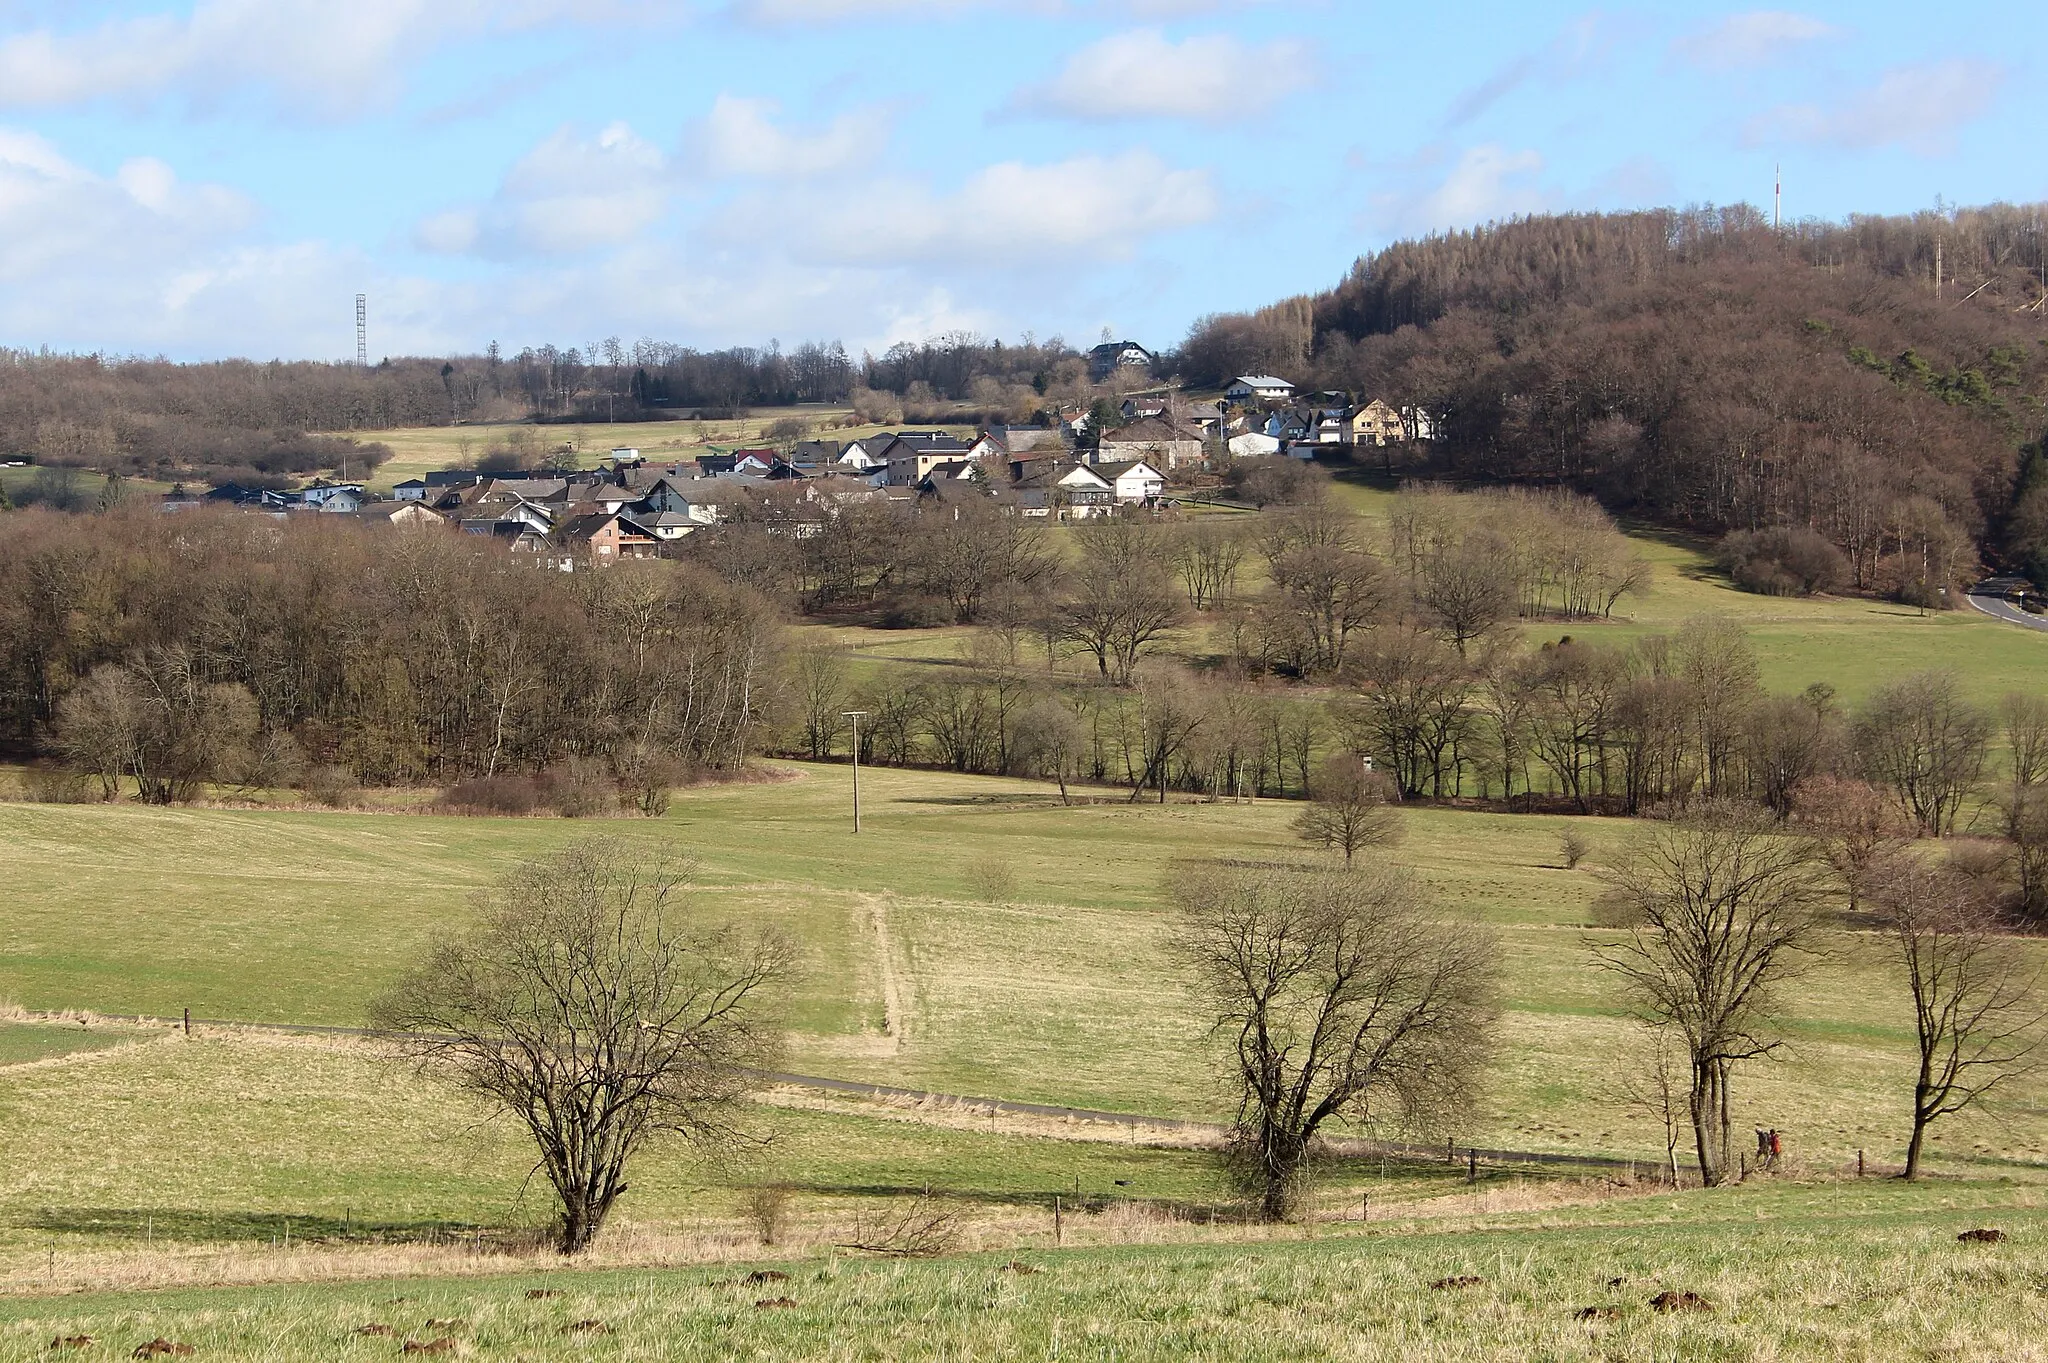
[{"x": 1705, "y": 369}]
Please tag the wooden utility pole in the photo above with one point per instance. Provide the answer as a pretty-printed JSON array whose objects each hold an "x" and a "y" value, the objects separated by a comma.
[{"x": 856, "y": 716}]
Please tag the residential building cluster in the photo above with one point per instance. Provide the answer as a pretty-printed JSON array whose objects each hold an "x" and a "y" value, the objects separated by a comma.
[{"x": 633, "y": 507}]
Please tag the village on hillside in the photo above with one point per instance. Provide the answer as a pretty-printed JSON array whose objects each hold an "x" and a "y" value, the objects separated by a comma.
[{"x": 1079, "y": 463}]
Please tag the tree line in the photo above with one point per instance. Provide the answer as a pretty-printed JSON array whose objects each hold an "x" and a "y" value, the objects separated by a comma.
[
  {"x": 263, "y": 423},
  {"x": 166, "y": 653}
]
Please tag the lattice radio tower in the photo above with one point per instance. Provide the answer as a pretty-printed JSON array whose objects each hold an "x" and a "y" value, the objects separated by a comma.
[{"x": 362, "y": 331}]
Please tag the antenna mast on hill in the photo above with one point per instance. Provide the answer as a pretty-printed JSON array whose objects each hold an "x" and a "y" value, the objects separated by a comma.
[
  {"x": 362, "y": 331},
  {"x": 1777, "y": 198}
]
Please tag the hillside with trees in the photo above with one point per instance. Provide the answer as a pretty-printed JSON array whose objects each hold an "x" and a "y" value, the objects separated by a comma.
[{"x": 1703, "y": 369}]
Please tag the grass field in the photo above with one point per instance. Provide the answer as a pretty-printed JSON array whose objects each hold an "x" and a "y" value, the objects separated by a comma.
[
  {"x": 1851, "y": 643},
  {"x": 1783, "y": 1273},
  {"x": 142, "y": 1159},
  {"x": 1067, "y": 995},
  {"x": 419, "y": 449}
]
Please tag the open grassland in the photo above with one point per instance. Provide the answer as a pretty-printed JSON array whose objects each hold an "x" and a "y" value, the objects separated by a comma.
[
  {"x": 235, "y": 1140},
  {"x": 419, "y": 449},
  {"x": 1875, "y": 1274},
  {"x": 1068, "y": 992},
  {"x": 1851, "y": 643}
]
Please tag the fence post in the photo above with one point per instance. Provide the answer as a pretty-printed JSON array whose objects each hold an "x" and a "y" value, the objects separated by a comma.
[
  {"x": 1471, "y": 1165},
  {"x": 1364, "y": 1208},
  {"x": 1059, "y": 1235},
  {"x": 188, "y": 1022},
  {"x": 1859, "y": 1164}
]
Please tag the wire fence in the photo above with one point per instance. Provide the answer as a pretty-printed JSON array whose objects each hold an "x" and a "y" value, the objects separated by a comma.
[{"x": 1452, "y": 1152}]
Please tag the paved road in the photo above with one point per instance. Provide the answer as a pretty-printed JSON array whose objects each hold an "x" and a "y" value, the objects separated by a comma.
[{"x": 2005, "y": 610}]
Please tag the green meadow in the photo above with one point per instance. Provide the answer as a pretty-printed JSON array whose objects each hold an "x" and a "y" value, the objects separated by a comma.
[
  {"x": 1067, "y": 993},
  {"x": 266, "y": 1196},
  {"x": 1771, "y": 1274}
]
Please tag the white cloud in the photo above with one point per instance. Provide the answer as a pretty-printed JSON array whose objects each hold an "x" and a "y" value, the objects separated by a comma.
[
  {"x": 1144, "y": 74},
  {"x": 1753, "y": 39},
  {"x": 1488, "y": 183},
  {"x": 1077, "y": 212},
  {"x": 1917, "y": 107},
  {"x": 739, "y": 137},
  {"x": 571, "y": 193},
  {"x": 56, "y": 215},
  {"x": 141, "y": 260},
  {"x": 315, "y": 55}
]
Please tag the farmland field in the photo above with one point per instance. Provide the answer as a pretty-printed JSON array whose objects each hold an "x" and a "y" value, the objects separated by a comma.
[
  {"x": 255, "y": 1193},
  {"x": 1871, "y": 1273},
  {"x": 1069, "y": 994},
  {"x": 418, "y": 449}
]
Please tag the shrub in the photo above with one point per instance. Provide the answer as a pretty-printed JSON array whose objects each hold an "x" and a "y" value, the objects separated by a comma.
[
  {"x": 1574, "y": 848},
  {"x": 767, "y": 1207},
  {"x": 501, "y": 794},
  {"x": 332, "y": 785},
  {"x": 579, "y": 787},
  {"x": 993, "y": 881},
  {"x": 915, "y": 610},
  {"x": 787, "y": 428},
  {"x": 58, "y": 786},
  {"x": 1783, "y": 560}
]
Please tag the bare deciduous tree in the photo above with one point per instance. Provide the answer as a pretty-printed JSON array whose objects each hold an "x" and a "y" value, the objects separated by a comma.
[
  {"x": 1853, "y": 825},
  {"x": 587, "y": 1004},
  {"x": 1207, "y": 555},
  {"x": 1656, "y": 1082},
  {"x": 1049, "y": 741},
  {"x": 820, "y": 679},
  {"x": 1121, "y": 598},
  {"x": 160, "y": 724},
  {"x": 1976, "y": 1014},
  {"x": 2024, "y": 802},
  {"x": 1717, "y": 910},
  {"x": 1922, "y": 739},
  {"x": 1350, "y": 808},
  {"x": 1342, "y": 996}
]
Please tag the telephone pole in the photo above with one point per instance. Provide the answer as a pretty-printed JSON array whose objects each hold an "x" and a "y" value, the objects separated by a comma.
[{"x": 856, "y": 716}]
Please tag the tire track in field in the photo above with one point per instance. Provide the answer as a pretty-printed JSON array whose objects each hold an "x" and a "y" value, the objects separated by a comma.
[{"x": 894, "y": 1015}]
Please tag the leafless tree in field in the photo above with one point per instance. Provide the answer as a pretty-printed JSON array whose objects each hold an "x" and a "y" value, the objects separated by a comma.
[
  {"x": 1350, "y": 808},
  {"x": 1343, "y": 996},
  {"x": 1049, "y": 741},
  {"x": 1121, "y": 598},
  {"x": 1926, "y": 742},
  {"x": 1977, "y": 1015},
  {"x": 1656, "y": 1081},
  {"x": 1207, "y": 556},
  {"x": 821, "y": 686},
  {"x": 588, "y": 1004},
  {"x": 2024, "y": 801},
  {"x": 1718, "y": 910},
  {"x": 1854, "y": 826}
]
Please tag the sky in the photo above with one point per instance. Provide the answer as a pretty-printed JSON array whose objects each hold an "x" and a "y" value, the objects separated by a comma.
[{"x": 212, "y": 178}]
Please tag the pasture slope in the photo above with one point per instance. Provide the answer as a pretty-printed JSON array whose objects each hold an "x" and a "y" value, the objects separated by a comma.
[
  {"x": 1067, "y": 993},
  {"x": 1771, "y": 1276},
  {"x": 207, "y": 1189}
]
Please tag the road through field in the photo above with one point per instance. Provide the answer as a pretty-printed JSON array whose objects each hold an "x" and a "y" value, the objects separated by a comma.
[{"x": 1999, "y": 608}]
